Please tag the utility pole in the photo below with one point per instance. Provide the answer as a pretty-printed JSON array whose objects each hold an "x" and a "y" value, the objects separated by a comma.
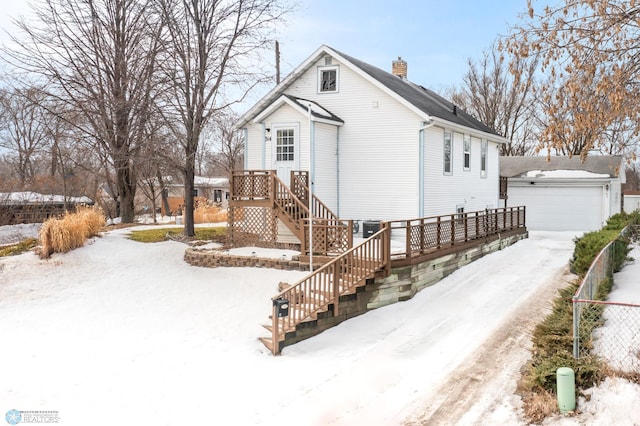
[{"x": 277, "y": 62}]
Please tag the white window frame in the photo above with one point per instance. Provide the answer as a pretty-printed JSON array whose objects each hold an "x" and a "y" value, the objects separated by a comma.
[
  {"x": 291, "y": 147},
  {"x": 466, "y": 152},
  {"x": 484, "y": 157},
  {"x": 448, "y": 136},
  {"x": 328, "y": 68}
]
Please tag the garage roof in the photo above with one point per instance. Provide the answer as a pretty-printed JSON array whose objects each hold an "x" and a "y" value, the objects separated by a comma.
[{"x": 520, "y": 166}]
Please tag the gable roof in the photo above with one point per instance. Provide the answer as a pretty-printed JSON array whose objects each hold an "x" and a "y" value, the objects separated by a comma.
[
  {"x": 424, "y": 102},
  {"x": 422, "y": 98},
  {"x": 319, "y": 113},
  {"x": 519, "y": 166}
]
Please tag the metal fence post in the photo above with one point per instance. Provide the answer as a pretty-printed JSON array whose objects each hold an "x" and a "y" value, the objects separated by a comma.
[{"x": 576, "y": 328}]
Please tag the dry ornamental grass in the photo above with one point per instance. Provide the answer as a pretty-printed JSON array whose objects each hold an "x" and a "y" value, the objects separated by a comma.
[
  {"x": 204, "y": 213},
  {"x": 70, "y": 232}
]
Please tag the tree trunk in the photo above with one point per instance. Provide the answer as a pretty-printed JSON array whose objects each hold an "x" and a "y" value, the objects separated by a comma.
[
  {"x": 126, "y": 190},
  {"x": 163, "y": 194},
  {"x": 187, "y": 214}
]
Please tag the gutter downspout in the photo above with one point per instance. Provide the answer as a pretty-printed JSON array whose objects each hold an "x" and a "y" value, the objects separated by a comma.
[
  {"x": 338, "y": 169},
  {"x": 246, "y": 149},
  {"x": 421, "y": 149},
  {"x": 264, "y": 146},
  {"x": 312, "y": 136}
]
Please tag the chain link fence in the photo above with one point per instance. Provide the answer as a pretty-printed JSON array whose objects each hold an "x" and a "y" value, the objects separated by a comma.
[{"x": 609, "y": 330}]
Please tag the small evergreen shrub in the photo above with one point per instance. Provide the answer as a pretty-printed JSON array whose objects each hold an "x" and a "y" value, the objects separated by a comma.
[{"x": 587, "y": 248}]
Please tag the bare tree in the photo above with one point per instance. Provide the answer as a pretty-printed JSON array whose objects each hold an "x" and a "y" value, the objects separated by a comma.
[
  {"x": 503, "y": 101},
  {"x": 589, "y": 50},
  {"x": 25, "y": 134},
  {"x": 99, "y": 57},
  {"x": 632, "y": 174},
  {"x": 213, "y": 61},
  {"x": 228, "y": 144}
]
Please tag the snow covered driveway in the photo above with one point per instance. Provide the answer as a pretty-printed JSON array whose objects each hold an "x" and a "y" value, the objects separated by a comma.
[{"x": 120, "y": 332}]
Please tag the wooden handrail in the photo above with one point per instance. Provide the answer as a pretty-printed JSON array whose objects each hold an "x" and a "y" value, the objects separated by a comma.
[
  {"x": 425, "y": 235},
  {"x": 300, "y": 187},
  {"x": 323, "y": 287},
  {"x": 287, "y": 202}
]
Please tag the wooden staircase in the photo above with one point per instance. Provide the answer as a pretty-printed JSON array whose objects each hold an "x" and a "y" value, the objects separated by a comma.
[
  {"x": 301, "y": 213},
  {"x": 319, "y": 294},
  {"x": 320, "y": 232}
]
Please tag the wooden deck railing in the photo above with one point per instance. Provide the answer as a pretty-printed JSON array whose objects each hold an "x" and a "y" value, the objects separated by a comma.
[
  {"x": 427, "y": 235},
  {"x": 251, "y": 185},
  {"x": 329, "y": 236},
  {"x": 263, "y": 188},
  {"x": 323, "y": 287},
  {"x": 287, "y": 202},
  {"x": 300, "y": 187}
]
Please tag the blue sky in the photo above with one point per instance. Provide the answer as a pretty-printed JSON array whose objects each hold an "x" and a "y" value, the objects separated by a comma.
[{"x": 435, "y": 37}]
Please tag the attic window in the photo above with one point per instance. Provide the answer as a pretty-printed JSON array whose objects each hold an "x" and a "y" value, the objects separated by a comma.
[{"x": 328, "y": 79}]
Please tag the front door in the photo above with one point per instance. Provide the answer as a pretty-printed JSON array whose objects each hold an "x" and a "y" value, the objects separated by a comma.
[{"x": 286, "y": 152}]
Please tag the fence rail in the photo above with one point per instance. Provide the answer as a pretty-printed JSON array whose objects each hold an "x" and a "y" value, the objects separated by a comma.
[
  {"x": 427, "y": 235},
  {"x": 609, "y": 330}
]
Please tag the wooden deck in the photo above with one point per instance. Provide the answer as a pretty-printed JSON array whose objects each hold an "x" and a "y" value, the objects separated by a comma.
[{"x": 348, "y": 268}]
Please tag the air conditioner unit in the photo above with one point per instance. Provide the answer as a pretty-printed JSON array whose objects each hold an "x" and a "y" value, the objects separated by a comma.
[{"x": 370, "y": 227}]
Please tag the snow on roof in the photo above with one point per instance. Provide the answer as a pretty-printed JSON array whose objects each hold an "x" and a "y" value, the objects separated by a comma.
[
  {"x": 28, "y": 197},
  {"x": 206, "y": 181},
  {"x": 568, "y": 174},
  {"x": 598, "y": 166}
]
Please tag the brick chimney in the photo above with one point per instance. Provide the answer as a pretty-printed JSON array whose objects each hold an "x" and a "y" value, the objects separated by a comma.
[{"x": 399, "y": 68}]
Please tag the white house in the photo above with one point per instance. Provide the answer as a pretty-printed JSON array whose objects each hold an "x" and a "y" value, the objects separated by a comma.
[
  {"x": 565, "y": 194},
  {"x": 631, "y": 201},
  {"x": 377, "y": 146}
]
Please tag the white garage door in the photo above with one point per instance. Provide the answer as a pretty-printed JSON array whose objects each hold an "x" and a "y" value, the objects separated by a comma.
[{"x": 559, "y": 208}]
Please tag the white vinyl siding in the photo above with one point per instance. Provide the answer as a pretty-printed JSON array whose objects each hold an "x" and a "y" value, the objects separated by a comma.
[
  {"x": 326, "y": 165},
  {"x": 378, "y": 147},
  {"x": 444, "y": 194},
  {"x": 378, "y": 161}
]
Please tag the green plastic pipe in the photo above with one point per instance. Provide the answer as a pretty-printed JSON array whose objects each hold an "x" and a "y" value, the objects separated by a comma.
[{"x": 566, "y": 389}]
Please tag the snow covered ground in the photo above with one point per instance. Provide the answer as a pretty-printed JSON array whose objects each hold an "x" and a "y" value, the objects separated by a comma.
[{"x": 119, "y": 332}]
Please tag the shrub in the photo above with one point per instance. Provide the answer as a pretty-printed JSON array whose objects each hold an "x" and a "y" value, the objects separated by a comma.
[
  {"x": 19, "y": 248},
  {"x": 163, "y": 234},
  {"x": 70, "y": 232},
  {"x": 587, "y": 248},
  {"x": 209, "y": 214}
]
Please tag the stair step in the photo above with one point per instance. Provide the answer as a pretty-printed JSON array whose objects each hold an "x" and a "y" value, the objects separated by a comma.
[{"x": 267, "y": 342}]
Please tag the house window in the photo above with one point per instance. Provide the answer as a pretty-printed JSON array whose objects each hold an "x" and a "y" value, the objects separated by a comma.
[
  {"x": 483, "y": 158},
  {"x": 459, "y": 211},
  {"x": 285, "y": 145},
  {"x": 447, "y": 153},
  {"x": 328, "y": 79},
  {"x": 467, "y": 152}
]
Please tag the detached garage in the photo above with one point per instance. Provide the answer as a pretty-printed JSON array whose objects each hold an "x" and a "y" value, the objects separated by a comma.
[{"x": 562, "y": 193}]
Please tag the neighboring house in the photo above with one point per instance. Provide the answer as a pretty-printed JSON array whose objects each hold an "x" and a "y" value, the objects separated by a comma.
[
  {"x": 214, "y": 190},
  {"x": 631, "y": 200},
  {"x": 32, "y": 207},
  {"x": 565, "y": 194},
  {"x": 377, "y": 146}
]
